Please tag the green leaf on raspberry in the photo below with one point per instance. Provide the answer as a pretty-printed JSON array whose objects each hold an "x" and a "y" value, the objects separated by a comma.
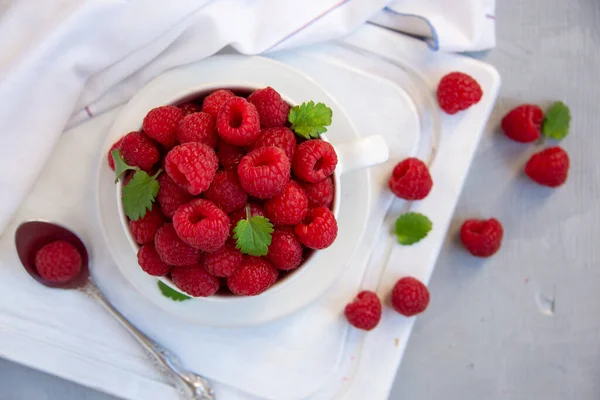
[
  {"x": 557, "y": 120},
  {"x": 253, "y": 234},
  {"x": 171, "y": 293},
  {"x": 412, "y": 227},
  {"x": 120, "y": 164},
  {"x": 139, "y": 194},
  {"x": 309, "y": 120}
]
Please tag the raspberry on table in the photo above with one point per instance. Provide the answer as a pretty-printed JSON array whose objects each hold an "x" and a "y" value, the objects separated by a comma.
[
  {"x": 280, "y": 137},
  {"x": 289, "y": 207},
  {"x": 264, "y": 172},
  {"x": 410, "y": 296},
  {"x": 238, "y": 122},
  {"x": 318, "y": 230},
  {"x": 523, "y": 123},
  {"x": 285, "y": 251},
  {"x": 314, "y": 160},
  {"x": 161, "y": 124},
  {"x": 320, "y": 194},
  {"x": 144, "y": 229},
  {"x": 272, "y": 109},
  {"x": 549, "y": 167},
  {"x": 170, "y": 195},
  {"x": 226, "y": 192},
  {"x": 236, "y": 216},
  {"x": 138, "y": 150},
  {"x": 150, "y": 261},
  {"x": 482, "y": 238},
  {"x": 197, "y": 127},
  {"x": 192, "y": 166},
  {"x": 172, "y": 250},
  {"x": 202, "y": 224},
  {"x": 213, "y": 102},
  {"x": 58, "y": 262},
  {"x": 189, "y": 108},
  {"x": 364, "y": 312},
  {"x": 254, "y": 276},
  {"x": 116, "y": 145},
  {"x": 223, "y": 262},
  {"x": 457, "y": 92},
  {"x": 229, "y": 155},
  {"x": 410, "y": 179},
  {"x": 195, "y": 281}
]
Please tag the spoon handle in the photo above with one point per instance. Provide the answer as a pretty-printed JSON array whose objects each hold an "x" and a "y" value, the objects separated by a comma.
[{"x": 189, "y": 385}]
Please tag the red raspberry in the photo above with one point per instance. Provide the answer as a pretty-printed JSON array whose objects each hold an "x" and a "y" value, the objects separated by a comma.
[
  {"x": 320, "y": 194},
  {"x": 192, "y": 166},
  {"x": 482, "y": 237},
  {"x": 410, "y": 179},
  {"x": 410, "y": 296},
  {"x": 223, "y": 262},
  {"x": 364, "y": 312},
  {"x": 189, "y": 108},
  {"x": 144, "y": 229},
  {"x": 273, "y": 111},
  {"x": 213, "y": 102},
  {"x": 225, "y": 191},
  {"x": 197, "y": 127},
  {"x": 264, "y": 172},
  {"x": 170, "y": 195},
  {"x": 161, "y": 124},
  {"x": 549, "y": 167},
  {"x": 238, "y": 122},
  {"x": 236, "y": 216},
  {"x": 195, "y": 281},
  {"x": 318, "y": 230},
  {"x": 457, "y": 92},
  {"x": 150, "y": 261},
  {"x": 285, "y": 251},
  {"x": 58, "y": 261},
  {"x": 172, "y": 250},
  {"x": 138, "y": 150},
  {"x": 229, "y": 156},
  {"x": 523, "y": 123},
  {"x": 254, "y": 276},
  {"x": 314, "y": 161},
  {"x": 280, "y": 137},
  {"x": 202, "y": 224},
  {"x": 289, "y": 207},
  {"x": 111, "y": 161}
]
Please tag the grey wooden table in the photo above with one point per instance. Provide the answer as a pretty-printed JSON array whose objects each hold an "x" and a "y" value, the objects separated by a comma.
[{"x": 524, "y": 324}]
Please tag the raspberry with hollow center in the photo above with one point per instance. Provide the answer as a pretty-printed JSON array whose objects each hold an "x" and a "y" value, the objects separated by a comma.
[
  {"x": 172, "y": 250},
  {"x": 150, "y": 261},
  {"x": 364, "y": 312},
  {"x": 202, "y": 224},
  {"x": 238, "y": 122},
  {"x": 410, "y": 296},
  {"x": 264, "y": 172},
  {"x": 195, "y": 281},
  {"x": 549, "y": 167},
  {"x": 138, "y": 150},
  {"x": 226, "y": 192},
  {"x": 410, "y": 179},
  {"x": 523, "y": 123},
  {"x": 482, "y": 238},
  {"x": 285, "y": 251},
  {"x": 197, "y": 127},
  {"x": 144, "y": 229},
  {"x": 289, "y": 207},
  {"x": 58, "y": 262},
  {"x": 273, "y": 111},
  {"x": 161, "y": 124},
  {"x": 213, "y": 102},
  {"x": 280, "y": 137},
  {"x": 116, "y": 146},
  {"x": 170, "y": 195},
  {"x": 229, "y": 155},
  {"x": 223, "y": 262},
  {"x": 192, "y": 166},
  {"x": 457, "y": 92},
  {"x": 254, "y": 276},
  {"x": 318, "y": 230},
  {"x": 236, "y": 216},
  {"x": 314, "y": 160},
  {"x": 320, "y": 194}
]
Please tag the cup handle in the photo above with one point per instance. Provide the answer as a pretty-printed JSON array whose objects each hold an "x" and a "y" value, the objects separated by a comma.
[{"x": 361, "y": 153}]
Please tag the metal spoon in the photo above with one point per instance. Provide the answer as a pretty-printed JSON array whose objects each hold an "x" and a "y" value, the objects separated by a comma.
[{"x": 31, "y": 236}]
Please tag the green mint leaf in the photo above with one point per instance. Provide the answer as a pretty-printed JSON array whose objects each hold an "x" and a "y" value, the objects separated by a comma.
[
  {"x": 412, "y": 227},
  {"x": 120, "y": 164},
  {"x": 171, "y": 293},
  {"x": 557, "y": 120},
  {"x": 309, "y": 120},
  {"x": 253, "y": 234},
  {"x": 139, "y": 194}
]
